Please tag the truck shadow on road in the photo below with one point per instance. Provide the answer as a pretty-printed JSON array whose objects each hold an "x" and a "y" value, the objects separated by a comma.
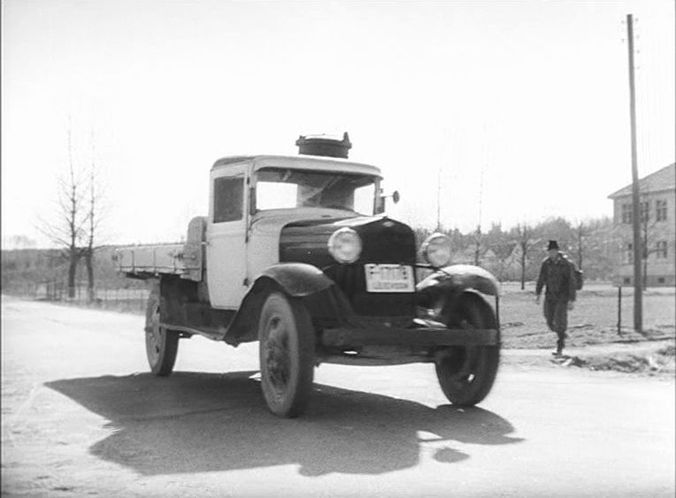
[{"x": 199, "y": 422}]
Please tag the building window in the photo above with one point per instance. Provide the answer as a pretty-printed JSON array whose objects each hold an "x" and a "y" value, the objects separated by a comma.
[
  {"x": 661, "y": 252},
  {"x": 661, "y": 210},
  {"x": 626, "y": 213},
  {"x": 645, "y": 211},
  {"x": 228, "y": 199},
  {"x": 629, "y": 253}
]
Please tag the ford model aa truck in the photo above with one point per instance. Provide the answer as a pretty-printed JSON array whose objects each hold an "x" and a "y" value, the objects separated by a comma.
[{"x": 297, "y": 254}]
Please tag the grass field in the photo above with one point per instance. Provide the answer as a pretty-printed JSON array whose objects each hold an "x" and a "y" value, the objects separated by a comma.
[{"x": 593, "y": 321}]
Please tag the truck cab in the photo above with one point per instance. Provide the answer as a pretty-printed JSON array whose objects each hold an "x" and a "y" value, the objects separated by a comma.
[{"x": 253, "y": 199}]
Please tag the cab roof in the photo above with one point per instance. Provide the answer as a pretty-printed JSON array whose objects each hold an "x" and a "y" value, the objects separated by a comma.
[{"x": 317, "y": 163}]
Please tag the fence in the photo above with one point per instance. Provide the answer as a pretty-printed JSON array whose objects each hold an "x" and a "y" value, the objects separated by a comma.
[{"x": 126, "y": 299}]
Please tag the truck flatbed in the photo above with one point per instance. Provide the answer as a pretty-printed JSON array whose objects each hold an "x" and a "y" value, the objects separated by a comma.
[
  {"x": 155, "y": 259},
  {"x": 175, "y": 258}
]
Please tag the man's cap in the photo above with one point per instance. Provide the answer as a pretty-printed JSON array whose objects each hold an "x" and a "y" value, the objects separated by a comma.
[{"x": 552, "y": 245}]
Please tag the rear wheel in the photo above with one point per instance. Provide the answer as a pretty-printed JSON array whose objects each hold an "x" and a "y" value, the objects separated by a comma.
[
  {"x": 466, "y": 373},
  {"x": 287, "y": 355},
  {"x": 161, "y": 344}
]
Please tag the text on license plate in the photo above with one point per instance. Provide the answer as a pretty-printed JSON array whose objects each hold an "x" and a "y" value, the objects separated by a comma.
[{"x": 389, "y": 278}]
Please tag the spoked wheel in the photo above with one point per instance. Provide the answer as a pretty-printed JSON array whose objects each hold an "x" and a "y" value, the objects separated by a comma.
[
  {"x": 466, "y": 373},
  {"x": 287, "y": 355},
  {"x": 161, "y": 344}
]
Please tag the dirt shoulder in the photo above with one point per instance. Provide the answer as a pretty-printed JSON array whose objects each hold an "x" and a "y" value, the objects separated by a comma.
[{"x": 647, "y": 358}]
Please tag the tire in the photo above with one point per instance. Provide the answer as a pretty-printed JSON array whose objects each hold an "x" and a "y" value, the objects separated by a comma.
[
  {"x": 161, "y": 344},
  {"x": 287, "y": 355},
  {"x": 466, "y": 374}
]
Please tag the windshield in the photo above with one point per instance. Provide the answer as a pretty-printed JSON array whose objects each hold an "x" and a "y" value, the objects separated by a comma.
[{"x": 283, "y": 188}]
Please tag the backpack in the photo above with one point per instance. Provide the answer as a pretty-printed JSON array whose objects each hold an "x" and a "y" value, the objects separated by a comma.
[{"x": 579, "y": 278}]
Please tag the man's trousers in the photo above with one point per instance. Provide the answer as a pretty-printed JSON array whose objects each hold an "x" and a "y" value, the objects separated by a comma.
[{"x": 556, "y": 314}]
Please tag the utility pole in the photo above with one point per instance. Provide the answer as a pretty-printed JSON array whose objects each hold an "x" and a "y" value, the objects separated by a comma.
[{"x": 636, "y": 221}]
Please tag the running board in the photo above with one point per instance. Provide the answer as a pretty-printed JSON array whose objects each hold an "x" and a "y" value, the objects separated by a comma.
[
  {"x": 215, "y": 334},
  {"x": 351, "y": 337}
]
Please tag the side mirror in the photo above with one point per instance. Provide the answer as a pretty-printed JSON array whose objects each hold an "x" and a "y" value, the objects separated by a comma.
[{"x": 380, "y": 206}]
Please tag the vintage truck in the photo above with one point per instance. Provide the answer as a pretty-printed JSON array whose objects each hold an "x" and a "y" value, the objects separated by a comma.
[{"x": 297, "y": 254}]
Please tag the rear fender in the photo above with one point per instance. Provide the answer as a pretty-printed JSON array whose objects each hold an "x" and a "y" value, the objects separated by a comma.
[{"x": 296, "y": 280}]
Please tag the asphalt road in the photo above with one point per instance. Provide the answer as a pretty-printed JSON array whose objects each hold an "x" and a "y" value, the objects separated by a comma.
[{"x": 80, "y": 417}]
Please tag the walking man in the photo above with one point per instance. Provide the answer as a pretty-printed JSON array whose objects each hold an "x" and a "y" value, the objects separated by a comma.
[{"x": 558, "y": 275}]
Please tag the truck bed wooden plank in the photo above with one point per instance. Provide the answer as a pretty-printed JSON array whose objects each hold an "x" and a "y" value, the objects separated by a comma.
[{"x": 155, "y": 258}]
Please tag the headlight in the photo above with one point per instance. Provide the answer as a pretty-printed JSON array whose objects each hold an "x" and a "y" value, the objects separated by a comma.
[
  {"x": 345, "y": 245},
  {"x": 437, "y": 250}
]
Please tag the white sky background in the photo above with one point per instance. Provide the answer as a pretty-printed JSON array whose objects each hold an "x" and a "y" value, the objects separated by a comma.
[{"x": 532, "y": 93}]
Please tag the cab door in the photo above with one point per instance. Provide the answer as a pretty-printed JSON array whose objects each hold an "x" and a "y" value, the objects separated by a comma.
[{"x": 226, "y": 237}]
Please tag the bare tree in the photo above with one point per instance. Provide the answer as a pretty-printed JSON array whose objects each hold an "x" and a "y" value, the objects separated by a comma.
[
  {"x": 581, "y": 231},
  {"x": 592, "y": 246},
  {"x": 67, "y": 229},
  {"x": 525, "y": 240},
  {"x": 501, "y": 249},
  {"x": 96, "y": 215},
  {"x": 76, "y": 224},
  {"x": 92, "y": 231}
]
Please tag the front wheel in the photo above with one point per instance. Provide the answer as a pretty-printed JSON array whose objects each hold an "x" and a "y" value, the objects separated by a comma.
[
  {"x": 287, "y": 355},
  {"x": 466, "y": 373},
  {"x": 161, "y": 344}
]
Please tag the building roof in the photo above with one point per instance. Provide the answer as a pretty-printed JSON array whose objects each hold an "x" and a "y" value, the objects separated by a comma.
[{"x": 659, "y": 181}]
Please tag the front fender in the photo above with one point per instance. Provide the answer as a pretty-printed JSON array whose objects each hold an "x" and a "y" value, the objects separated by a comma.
[
  {"x": 297, "y": 280},
  {"x": 455, "y": 279}
]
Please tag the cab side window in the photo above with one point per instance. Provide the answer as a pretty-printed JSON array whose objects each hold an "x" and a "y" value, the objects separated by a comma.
[{"x": 228, "y": 199}]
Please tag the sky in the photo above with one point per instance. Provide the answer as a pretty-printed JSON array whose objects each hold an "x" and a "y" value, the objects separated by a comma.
[{"x": 487, "y": 111}]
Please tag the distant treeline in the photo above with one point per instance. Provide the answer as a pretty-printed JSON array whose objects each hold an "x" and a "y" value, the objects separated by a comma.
[
  {"x": 515, "y": 253},
  {"x": 593, "y": 245}
]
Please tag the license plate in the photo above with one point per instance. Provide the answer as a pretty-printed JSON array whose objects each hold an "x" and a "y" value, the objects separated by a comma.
[{"x": 389, "y": 278}]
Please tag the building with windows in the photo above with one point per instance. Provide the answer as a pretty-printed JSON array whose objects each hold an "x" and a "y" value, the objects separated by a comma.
[{"x": 658, "y": 228}]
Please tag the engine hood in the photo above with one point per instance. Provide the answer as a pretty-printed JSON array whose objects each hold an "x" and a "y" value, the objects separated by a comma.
[
  {"x": 266, "y": 230},
  {"x": 271, "y": 223},
  {"x": 383, "y": 240},
  {"x": 302, "y": 235}
]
